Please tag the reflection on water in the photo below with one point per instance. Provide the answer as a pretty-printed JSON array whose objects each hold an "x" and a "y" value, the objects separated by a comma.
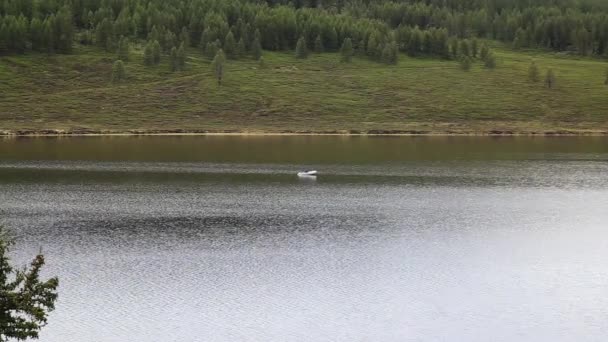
[{"x": 470, "y": 239}]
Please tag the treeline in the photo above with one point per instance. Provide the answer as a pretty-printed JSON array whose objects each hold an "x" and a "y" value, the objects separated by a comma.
[{"x": 413, "y": 26}]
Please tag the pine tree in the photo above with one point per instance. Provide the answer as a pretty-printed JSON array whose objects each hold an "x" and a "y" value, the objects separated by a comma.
[
  {"x": 474, "y": 48},
  {"x": 118, "y": 71},
  {"x": 181, "y": 57},
  {"x": 454, "y": 52},
  {"x": 464, "y": 48},
  {"x": 318, "y": 44},
  {"x": 256, "y": 48},
  {"x": 184, "y": 36},
  {"x": 533, "y": 74},
  {"x": 241, "y": 50},
  {"x": 173, "y": 63},
  {"x": 230, "y": 45},
  {"x": 347, "y": 50},
  {"x": 123, "y": 49},
  {"x": 301, "y": 49},
  {"x": 25, "y": 300},
  {"x": 465, "y": 62},
  {"x": 361, "y": 48},
  {"x": 489, "y": 61},
  {"x": 484, "y": 52},
  {"x": 550, "y": 79},
  {"x": 149, "y": 54},
  {"x": 156, "y": 52},
  {"x": 218, "y": 66},
  {"x": 212, "y": 48}
]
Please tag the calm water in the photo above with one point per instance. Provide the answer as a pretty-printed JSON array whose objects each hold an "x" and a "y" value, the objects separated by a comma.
[{"x": 399, "y": 239}]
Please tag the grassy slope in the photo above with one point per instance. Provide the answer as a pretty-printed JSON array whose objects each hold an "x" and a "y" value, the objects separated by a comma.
[{"x": 73, "y": 92}]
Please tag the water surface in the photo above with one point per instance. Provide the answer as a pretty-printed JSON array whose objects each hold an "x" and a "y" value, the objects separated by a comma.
[{"x": 399, "y": 238}]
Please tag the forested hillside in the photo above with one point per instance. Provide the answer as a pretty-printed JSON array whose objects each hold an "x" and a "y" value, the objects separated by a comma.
[
  {"x": 414, "y": 26},
  {"x": 370, "y": 64}
]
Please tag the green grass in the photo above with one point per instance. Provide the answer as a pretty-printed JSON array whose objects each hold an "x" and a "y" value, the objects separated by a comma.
[{"x": 74, "y": 92}]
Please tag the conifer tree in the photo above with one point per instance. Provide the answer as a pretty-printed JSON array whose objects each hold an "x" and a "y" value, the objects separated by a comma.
[
  {"x": 318, "y": 44},
  {"x": 256, "y": 48},
  {"x": 118, "y": 71},
  {"x": 347, "y": 50},
  {"x": 550, "y": 79},
  {"x": 230, "y": 45},
  {"x": 474, "y": 48},
  {"x": 301, "y": 49},
  {"x": 484, "y": 52},
  {"x": 181, "y": 57},
  {"x": 241, "y": 50},
  {"x": 184, "y": 36},
  {"x": 156, "y": 52},
  {"x": 123, "y": 49},
  {"x": 149, "y": 54},
  {"x": 218, "y": 66},
  {"x": 465, "y": 62},
  {"x": 464, "y": 48},
  {"x": 489, "y": 61},
  {"x": 173, "y": 63},
  {"x": 533, "y": 73},
  {"x": 25, "y": 299},
  {"x": 454, "y": 48}
]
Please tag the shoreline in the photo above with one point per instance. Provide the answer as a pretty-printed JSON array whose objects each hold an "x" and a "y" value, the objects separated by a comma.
[{"x": 231, "y": 132}]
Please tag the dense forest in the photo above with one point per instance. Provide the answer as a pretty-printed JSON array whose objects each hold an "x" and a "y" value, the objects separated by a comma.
[{"x": 376, "y": 29}]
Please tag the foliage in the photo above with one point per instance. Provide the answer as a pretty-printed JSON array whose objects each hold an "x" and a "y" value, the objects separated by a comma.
[
  {"x": 25, "y": 299},
  {"x": 301, "y": 48},
  {"x": 346, "y": 51},
  {"x": 118, "y": 71},
  {"x": 319, "y": 44},
  {"x": 490, "y": 60},
  {"x": 256, "y": 49},
  {"x": 466, "y": 62},
  {"x": 123, "y": 49},
  {"x": 230, "y": 48},
  {"x": 218, "y": 66}
]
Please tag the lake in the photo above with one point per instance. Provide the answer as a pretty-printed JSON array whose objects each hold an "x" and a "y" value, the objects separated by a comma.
[{"x": 215, "y": 238}]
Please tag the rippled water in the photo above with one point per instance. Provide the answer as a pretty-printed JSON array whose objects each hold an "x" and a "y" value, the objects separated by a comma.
[{"x": 399, "y": 239}]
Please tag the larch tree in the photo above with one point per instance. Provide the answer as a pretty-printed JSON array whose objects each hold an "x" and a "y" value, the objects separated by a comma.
[
  {"x": 123, "y": 49},
  {"x": 181, "y": 57},
  {"x": 319, "y": 44},
  {"x": 118, "y": 71},
  {"x": 301, "y": 49},
  {"x": 256, "y": 48},
  {"x": 241, "y": 49},
  {"x": 474, "y": 48},
  {"x": 25, "y": 299},
  {"x": 484, "y": 52},
  {"x": 156, "y": 52},
  {"x": 489, "y": 61},
  {"x": 466, "y": 62},
  {"x": 218, "y": 66},
  {"x": 149, "y": 54},
  {"x": 184, "y": 36},
  {"x": 173, "y": 63},
  {"x": 230, "y": 45},
  {"x": 346, "y": 51}
]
